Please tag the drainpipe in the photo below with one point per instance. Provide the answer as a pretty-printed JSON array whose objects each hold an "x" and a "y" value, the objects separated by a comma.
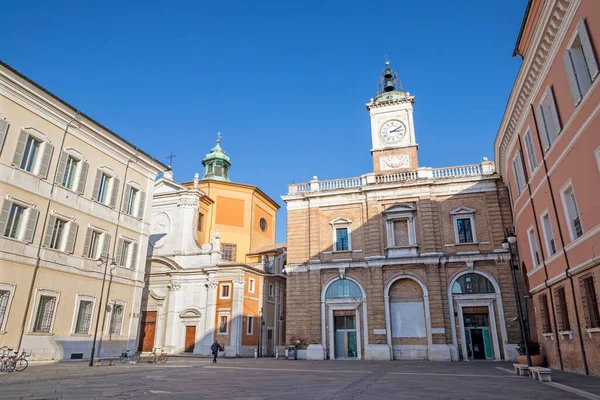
[
  {"x": 39, "y": 250},
  {"x": 562, "y": 243}
]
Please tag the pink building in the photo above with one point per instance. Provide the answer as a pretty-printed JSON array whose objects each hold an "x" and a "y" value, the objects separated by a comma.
[{"x": 548, "y": 153}]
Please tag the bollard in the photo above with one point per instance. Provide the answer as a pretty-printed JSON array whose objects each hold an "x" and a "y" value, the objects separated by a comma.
[
  {"x": 277, "y": 354},
  {"x": 255, "y": 353}
]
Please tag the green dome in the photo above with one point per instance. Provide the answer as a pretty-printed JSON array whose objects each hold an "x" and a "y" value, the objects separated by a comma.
[{"x": 216, "y": 164}]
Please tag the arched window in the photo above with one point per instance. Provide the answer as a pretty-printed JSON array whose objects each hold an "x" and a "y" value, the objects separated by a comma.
[
  {"x": 472, "y": 284},
  {"x": 343, "y": 289}
]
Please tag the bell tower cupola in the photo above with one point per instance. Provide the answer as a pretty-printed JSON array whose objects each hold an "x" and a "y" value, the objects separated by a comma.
[
  {"x": 216, "y": 163},
  {"x": 394, "y": 146}
]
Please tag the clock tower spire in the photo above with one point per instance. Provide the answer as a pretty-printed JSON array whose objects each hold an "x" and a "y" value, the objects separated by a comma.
[{"x": 392, "y": 128}]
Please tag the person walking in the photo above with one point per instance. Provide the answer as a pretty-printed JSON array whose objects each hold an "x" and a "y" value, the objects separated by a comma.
[{"x": 215, "y": 348}]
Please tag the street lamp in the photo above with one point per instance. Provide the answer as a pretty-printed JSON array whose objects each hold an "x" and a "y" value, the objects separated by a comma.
[
  {"x": 99, "y": 261},
  {"x": 509, "y": 239}
]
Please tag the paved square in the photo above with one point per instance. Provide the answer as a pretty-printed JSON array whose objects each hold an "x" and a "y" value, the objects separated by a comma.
[{"x": 248, "y": 379}]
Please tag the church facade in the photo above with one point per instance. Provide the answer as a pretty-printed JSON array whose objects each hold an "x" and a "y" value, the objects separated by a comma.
[
  {"x": 213, "y": 269},
  {"x": 405, "y": 262}
]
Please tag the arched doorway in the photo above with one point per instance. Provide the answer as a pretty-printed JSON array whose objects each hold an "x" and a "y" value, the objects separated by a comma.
[
  {"x": 476, "y": 297},
  {"x": 341, "y": 301},
  {"x": 408, "y": 318}
]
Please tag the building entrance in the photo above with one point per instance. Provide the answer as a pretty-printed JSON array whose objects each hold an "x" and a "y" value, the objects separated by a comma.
[
  {"x": 477, "y": 333},
  {"x": 345, "y": 335}
]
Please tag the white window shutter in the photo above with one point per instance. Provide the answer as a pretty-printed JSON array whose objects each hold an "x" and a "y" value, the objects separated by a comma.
[
  {"x": 49, "y": 230},
  {"x": 134, "y": 255},
  {"x": 588, "y": 50},
  {"x": 126, "y": 198},
  {"x": 23, "y": 136},
  {"x": 119, "y": 252},
  {"x": 62, "y": 166},
  {"x": 4, "y": 214},
  {"x": 88, "y": 242},
  {"x": 571, "y": 79},
  {"x": 46, "y": 158},
  {"x": 82, "y": 176},
  {"x": 141, "y": 204},
  {"x": 105, "y": 245},
  {"x": 554, "y": 113},
  {"x": 3, "y": 131},
  {"x": 31, "y": 223},
  {"x": 70, "y": 247},
  {"x": 97, "y": 185},
  {"x": 115, "y": 192},
  {"x": 539, "y": 116}
]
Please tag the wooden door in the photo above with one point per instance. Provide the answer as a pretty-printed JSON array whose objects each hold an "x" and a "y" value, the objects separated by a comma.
[
  {"x": 147, "y": 331},
  {"x": 190, "y": 338}
]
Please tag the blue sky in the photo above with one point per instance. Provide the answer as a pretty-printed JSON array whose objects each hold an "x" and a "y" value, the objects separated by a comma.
[{"x": 285, "y": 82}]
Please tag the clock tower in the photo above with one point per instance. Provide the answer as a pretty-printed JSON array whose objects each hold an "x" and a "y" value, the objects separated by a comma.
[{"x": 392, "y": 128}]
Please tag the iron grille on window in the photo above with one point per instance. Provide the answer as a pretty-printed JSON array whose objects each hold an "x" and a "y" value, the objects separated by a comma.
[
  {"x": 228, "y": 251},
  {"x": 589, "y": 301},
  {"x": 45, "y": 312},
  {"x": 84, "y": 316},
  {"x": 4, "y": 296},
  {"x": 561, "y": 308},
  {"x": 116, "y": 319},
  {"x": 545, "y": 314}
]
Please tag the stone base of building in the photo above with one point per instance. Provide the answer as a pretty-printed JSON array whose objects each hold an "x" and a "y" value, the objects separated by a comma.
[
  {"x": 315, "y": 352},
  {"x": 439, "y": 352},
  {"x": 510, "y": 352},
  {"x": 377, "y": 352}
]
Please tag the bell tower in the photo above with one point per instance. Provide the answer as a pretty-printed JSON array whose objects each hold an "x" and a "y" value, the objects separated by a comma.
[{"x": 392, "y": 128}]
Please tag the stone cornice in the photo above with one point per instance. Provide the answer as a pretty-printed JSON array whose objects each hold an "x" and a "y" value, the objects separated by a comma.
[
  {"x": 534, "y": 66},
  {"x": 387, "y": 103}
]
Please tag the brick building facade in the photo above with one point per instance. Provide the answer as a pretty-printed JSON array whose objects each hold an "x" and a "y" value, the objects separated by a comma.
[{"x": 405, "y": 262}]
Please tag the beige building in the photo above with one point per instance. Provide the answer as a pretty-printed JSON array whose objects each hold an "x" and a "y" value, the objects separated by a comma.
[
  {"x": 73, "y": 226},
  {"x": 405, "y": 262}
]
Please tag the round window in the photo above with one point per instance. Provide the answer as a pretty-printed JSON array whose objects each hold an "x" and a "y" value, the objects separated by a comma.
[{"x": 263, "y": 224}]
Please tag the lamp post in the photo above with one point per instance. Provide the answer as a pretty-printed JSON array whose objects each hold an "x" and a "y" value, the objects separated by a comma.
[
  {"x": 99, "y": 261},
  {"x": 510, "y": 239}
]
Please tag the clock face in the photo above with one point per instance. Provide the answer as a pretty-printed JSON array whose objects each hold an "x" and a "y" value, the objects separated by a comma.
[{"x": 392, "y": 131}]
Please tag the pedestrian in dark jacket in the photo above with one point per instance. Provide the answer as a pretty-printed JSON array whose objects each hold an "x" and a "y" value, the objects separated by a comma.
[{"x": 215, "y": 348}]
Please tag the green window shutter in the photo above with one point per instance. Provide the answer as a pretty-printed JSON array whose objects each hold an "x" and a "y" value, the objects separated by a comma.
[
  {"x": 3, "y": 131},
  {"x": 49, "y": 229},
  {"x": 62, "y": 166},
  {"x": 82, "y": 177},
  {"x": 46, "y": 158},
  {"x": 23, "y": 136},
  {"x": 4, "y": 214},
  {"x": 588, "y": 50},
  {"x": 73, "y": 227},
  {"x": 31, "y": 223},
  {"x": 142, "y": 204},
  {"x": 134, "y": 256},
  {"x": 126, "y": 198},
  {"x": 119, "y": 252},
  {"x": 88, "y": 242},
  {"x": 115, "y": 192}
]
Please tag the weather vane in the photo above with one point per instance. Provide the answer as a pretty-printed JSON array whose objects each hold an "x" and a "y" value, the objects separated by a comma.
[
  {"x": 171, "y": 157},
  {"x": 219, "y": 137}
]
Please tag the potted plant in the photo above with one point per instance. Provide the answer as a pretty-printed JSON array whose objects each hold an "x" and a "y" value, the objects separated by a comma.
[{"x": 537, "y": 359}]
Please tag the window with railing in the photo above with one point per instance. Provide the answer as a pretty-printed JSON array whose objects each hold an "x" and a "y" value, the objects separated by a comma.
[
  {"x": 45, "y": 314},
  {"x": 4, "y": 299},
  {"x": 589, "y": 301},
  {"x": 116, "y": 319},
  {"x": 545, "y": 314},
  {"x": 562, "y": 314},
  {"x": 84, "y": 317},
  {"x": 229, "y": 251}
]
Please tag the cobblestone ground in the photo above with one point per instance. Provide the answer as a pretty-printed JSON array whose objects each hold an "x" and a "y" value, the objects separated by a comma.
[{"x": 248, "y": 379}]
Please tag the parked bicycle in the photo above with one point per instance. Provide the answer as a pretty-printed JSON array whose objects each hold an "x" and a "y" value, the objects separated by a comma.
[
  {"x": 160, "y": 357},
  {"x": 129, "y": 355},
  {"x": 7, "y": 363},
  {"x": 20, "y": 361}
]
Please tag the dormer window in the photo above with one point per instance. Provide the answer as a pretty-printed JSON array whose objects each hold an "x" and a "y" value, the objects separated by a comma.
[
  {"x": 463, "y": 219},
  {"x": 341, "y": 234}
]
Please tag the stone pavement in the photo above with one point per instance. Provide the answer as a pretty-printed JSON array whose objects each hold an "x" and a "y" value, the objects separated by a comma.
[{"x": 249, "y": 379}]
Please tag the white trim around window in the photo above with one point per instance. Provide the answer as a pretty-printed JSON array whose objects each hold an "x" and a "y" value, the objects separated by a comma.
[
  {"x": 250, "y": 325},
  {"x": 597, "y": 154},
  {"x": 530, "y": 151},
  {"x": 571, "y": 210},
  {"x": 464, "y": 213},
  {"x": 339, "y": 224},
  {"x": 271, "y": 290},
  {"x": 533, "y": 248},
  {"x": 580, "y": 63},
  {"x": 7, "y": 292},
  {"x": 115, "y": 327},
  {"x": 549, "y": 239},
  {"x": 83, "y": 328},
  {"x": 220, "y": 315},
  {"x": 518, "y": 173},
  {"x": 251, "y": 285},
  {"x": 42, "y": 321},
  {"x": 226, "y": 296}
]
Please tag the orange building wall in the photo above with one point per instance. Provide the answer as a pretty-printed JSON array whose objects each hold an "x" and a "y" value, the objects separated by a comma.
[
  {"x": 222, "y": 305},
  {"x": 251, "y": 307}
]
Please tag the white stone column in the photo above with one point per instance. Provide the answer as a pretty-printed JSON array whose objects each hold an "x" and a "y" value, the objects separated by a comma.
[
  {"x": 209, "y": 317},
  {"x": 237, "y": 308},
  {"x": 172, "y": 327},
  {"x": 276, "y": 316}
]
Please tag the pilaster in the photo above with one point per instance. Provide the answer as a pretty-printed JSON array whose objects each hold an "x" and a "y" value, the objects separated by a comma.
[
  {"x": 210, "y": 315},
  {"x": 237, "y": 308}
]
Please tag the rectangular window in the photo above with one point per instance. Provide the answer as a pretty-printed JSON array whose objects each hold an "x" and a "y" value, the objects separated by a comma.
[
  {"x": 341, "y": 243},
  {"x": 271, "y": 290},
  {"x": 572, "y": 213},
  {"x": 548, "y": 234},
  {"x": 200, "y": 222},
  {"x": 70, "y": 172},
  {"x": 223, "y": 324},
  {"x": 95, "y": 243},
  {"x": 45, "y": 314},
  {"x": 465, "y": 231},
  {"x": 132, "y": 201},
  {"x": 103, "y": 189},
  {"x": 4, "y": 300},
  {"x": 225, "y": 291},
  {"x": 518, "y": 172},
  {"x": 589, "y": 301},
  {"x": 116, "y": 319},
  {"x": 124, "y": 260},
  {"x": 29, "y": 160},
  {"x": 58, "y": 234},
  {"x": 535, "y": 255},
  {"x": 251, "y": 285},
  {"x": 545, "y": 314},
  {"x": 531, "y": 156},
  {"x": 15, "y": 219},
  {"x": 228, "y": 250},
  {"x": 561, "y": 310},
  {"x": 401, "y": 237},
  {"x": 250, "y": 326},
  {"x": 580, "y": 63},
  {"x": 84, "y": 317}
]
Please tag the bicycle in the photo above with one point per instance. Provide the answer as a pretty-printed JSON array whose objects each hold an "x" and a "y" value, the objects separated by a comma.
[
  {"x": 7, "y": 363},
  {"x": 21, "y": 362},
  {"x": 128, "y": 355},
  {"x": 161, "y": 357}
]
